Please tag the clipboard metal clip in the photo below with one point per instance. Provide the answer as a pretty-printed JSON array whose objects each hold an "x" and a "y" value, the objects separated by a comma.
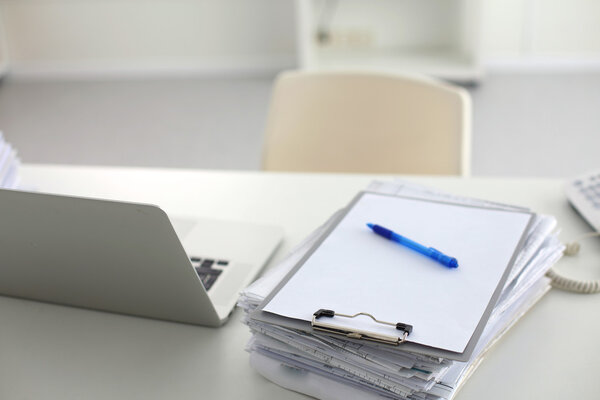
[{"x": 359, "y": 334}]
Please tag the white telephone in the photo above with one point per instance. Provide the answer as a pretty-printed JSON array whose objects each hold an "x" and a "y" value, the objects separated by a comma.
[{"x": 584, "y": 194}]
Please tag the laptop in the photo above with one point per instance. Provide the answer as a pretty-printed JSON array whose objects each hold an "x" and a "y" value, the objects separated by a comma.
[{"x": 127, "y": 258}]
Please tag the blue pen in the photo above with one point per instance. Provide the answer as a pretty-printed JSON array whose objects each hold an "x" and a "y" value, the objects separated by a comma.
[{"x": 430, "y": 252}]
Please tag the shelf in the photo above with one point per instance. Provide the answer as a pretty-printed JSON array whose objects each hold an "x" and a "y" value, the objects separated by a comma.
[
  {"x": 442, "y": 63},
  {"x": 439, "y": 38}
]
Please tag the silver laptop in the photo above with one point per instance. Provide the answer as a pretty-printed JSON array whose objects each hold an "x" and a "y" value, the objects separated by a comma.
[{"x": 127, "y": 258}]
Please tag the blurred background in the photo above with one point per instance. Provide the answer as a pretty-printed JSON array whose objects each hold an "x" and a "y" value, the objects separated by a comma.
[{"x": 186, "y": 83}]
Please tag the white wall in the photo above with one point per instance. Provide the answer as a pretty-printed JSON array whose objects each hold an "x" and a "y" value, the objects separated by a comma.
[
  {"x": 566, "y": 28},
  {"x": 153, "y": 36},
  {"x": 91, "y": 37},
  {"x": 541, "y": 33}
]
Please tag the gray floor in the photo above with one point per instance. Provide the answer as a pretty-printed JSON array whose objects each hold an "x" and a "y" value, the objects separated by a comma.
[
  {"x": 524, "y": 124},
  {"x": 536, "y": 125}
]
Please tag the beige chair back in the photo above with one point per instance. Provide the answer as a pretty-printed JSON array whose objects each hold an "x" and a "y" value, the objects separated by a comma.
[{"x": 367, "y": 123}]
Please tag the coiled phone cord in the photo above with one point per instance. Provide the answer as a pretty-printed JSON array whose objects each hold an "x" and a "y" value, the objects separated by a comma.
[{"x": 573, "y": 285}]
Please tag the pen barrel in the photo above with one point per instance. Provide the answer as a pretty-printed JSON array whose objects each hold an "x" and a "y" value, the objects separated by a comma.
[
  {"x": 381, "y": 231},
  {"x": 409, "y": 243},
  {"x": 440, "y": 257},
  {"x": 430, "y": 252}
]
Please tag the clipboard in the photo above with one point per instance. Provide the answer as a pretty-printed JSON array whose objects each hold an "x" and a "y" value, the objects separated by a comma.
[{"x": 398, "y": 330}]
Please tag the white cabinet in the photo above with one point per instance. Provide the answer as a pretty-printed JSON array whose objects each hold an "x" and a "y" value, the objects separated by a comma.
[{"x": 434, "y": 37}]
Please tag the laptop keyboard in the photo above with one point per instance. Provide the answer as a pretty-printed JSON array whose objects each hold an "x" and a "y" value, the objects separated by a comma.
[{"x": 208, "y": 269}]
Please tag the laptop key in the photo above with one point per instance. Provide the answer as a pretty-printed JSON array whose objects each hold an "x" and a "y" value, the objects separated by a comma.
[
  {"x": 223, "y": 263},
  {"x": 195, "y": 259},
  {"x": 205, "y": 279},
  {"x": 209, "y": 281},
  {"x": 207, "y": 263},
  {"x": 208, "y": 271},
  {"x": 208, "y": 276}
]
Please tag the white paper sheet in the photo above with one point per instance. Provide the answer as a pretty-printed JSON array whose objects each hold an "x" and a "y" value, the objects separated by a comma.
[
  {"x": 9, "y": 165},
  {"x": 355, "y": 270}
]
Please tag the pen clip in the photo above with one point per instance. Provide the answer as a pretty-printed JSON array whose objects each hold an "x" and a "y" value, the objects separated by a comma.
[{"x": 357, "y": 333}]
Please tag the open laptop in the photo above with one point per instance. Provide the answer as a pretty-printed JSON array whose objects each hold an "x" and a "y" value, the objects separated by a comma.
[{"x": 127, "y": 258}]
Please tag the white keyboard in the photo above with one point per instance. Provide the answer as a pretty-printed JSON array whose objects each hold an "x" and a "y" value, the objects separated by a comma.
[{"x": 584, "y": 194}]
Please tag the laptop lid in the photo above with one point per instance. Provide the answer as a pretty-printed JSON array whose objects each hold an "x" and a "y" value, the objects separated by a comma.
[{"x": 104, "y": 255}]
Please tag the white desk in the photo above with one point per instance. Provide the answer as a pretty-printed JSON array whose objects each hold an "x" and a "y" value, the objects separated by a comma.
[{"x": 55, "y": 352}]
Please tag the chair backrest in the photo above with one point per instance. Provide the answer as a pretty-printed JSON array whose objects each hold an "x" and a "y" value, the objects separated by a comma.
[{"x": 367, "y": 123}]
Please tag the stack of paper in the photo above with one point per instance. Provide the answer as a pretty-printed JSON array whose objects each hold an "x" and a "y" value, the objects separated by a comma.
[
  {"x": 9, "y": 165},
  {"x": 332, "y": 367}
]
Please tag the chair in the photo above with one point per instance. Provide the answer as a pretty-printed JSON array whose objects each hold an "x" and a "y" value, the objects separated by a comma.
[{"x": 367, "y": 123}]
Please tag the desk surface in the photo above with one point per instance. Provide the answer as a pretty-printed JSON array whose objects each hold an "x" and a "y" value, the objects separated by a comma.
[{"x": 56, "y": 352}]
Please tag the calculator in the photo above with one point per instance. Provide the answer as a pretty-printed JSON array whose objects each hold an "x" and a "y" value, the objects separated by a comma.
[{"x": 584, "y": 194}]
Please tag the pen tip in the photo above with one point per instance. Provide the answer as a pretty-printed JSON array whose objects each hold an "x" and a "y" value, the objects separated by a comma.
[{"x": 370, "y": 225}]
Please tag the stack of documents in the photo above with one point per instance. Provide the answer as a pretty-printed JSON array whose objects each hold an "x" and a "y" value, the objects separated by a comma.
[
  {"x": 9, "y": 165},
  {"x": 456, "y": 315}
]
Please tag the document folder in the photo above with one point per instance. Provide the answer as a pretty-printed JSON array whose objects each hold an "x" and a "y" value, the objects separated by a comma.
[{"x": 435, "y": 311}]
